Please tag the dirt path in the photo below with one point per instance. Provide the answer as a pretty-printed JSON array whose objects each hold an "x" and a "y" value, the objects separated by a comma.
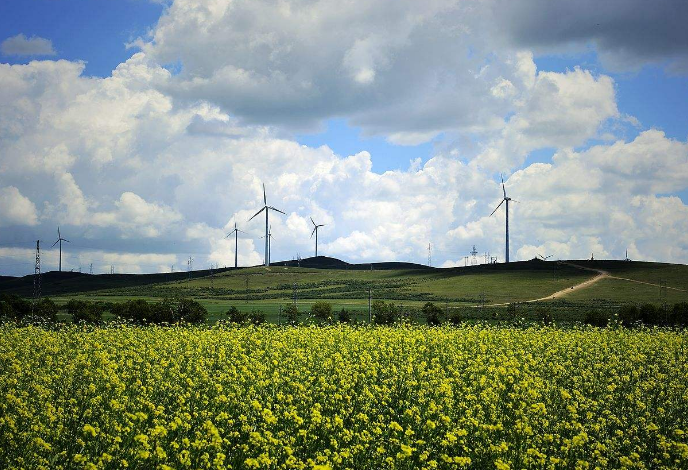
[{"x": 601, "y": 274}]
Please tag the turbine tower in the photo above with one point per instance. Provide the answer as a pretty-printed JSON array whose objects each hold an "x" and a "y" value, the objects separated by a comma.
[
  {"x": 505, "y": 199},
  {"x": 267, "y": 210},
  {"x": 60, "y": 240},
  {"x": 315, "y": 231},
  {"x": 270, "y": 238},
  {"x": 236, "y": 244}
]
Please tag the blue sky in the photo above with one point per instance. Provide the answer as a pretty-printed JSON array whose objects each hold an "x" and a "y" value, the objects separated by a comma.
[{"x": 247, "y": 79}]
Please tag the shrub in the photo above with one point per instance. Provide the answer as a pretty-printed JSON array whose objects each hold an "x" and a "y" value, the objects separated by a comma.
[
  {"x": 629, "y": 315},
  {"x": 234, "y": 315},
  {"x": 82, "y": 311},
  {"x": 679, "y": 314},
  {"x": 596, "y": 318},
  {"x": 46, "y": 310},
  {"x": 455, "y": 318},
  {"x": 164, "y": 312},
  {"x": 190, "y": 311},
  {"x": 256, "y": 317},
  {"x": 138, "y": 311},
  {"x": 15, "y": 306},
  {"x": 344, "y": 316},
  {"x": 384, "y": 313},
  {"x": 322, "y": 311},
  {"x": 292, "y": 313},
  {"x": 432, "y": 314},
  {"x": 649, "y": 314}
]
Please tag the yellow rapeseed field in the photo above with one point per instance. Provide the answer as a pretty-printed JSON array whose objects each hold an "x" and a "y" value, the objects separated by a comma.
[{"x": 343, "y": 397}]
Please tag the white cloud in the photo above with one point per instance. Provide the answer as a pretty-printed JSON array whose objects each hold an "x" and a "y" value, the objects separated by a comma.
[
  {"x": 20, "y": 45},
  {"x": 16, "y": 209}
]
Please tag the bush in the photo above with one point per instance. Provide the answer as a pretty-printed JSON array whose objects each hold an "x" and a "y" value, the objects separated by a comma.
[
  {"x": 256, "y": 317},
  {"x": 384, "y": 313},
  {"x": 679, "y": 314},
  {"x": 15, "y": 306},
  {"x": 629, "y": 315},
  {"x": 138, "y": 311},
  {"x": 82, "y": 311},
  {"x": 432, "y": 313},
  {"x": 649, "y": 314},
  {"x": 46, "y": 310},
  {"x": 292, "y": 313},
  {"x": 596, "y": 318},
  {"x": 164, "y": 311},
  {"x": 190, "y": 311},
  {"x": 455, "y": 318},
  {"x": 322, "y": 311},
  {"x": 234, "y": 315},
  {"x": 344, "y": 316}
]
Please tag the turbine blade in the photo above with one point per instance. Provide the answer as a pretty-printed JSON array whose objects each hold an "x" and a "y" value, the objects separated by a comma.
[
  {"x": 503, "y": 188},
  {"x": 265, "y": 198},
  {"x": 513, "y": 200},
  {"x": 65, "y": 240},
  {"x": 264, "y": 207},
  {"x": 312, "y": 221},
  {"x": 58, "y": 232},
  {"x": 55, "y": 243},
  {"x": 275, "y": 209},
  {"x": 314, "y": 229},
  {"x": 497, "y": 207}
]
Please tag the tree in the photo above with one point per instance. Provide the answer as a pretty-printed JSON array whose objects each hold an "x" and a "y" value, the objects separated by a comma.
[
  {"x": 679, "y": 314},
  {"x": 629, "y": 315},
  {"x": 432, "y": 313},
  {"x": 46, "y": 310},
  {"x": 384, "y": 313},
  {"x": 82, "y": 311},
  {"x": 292, "y": 313},
  {"x": 649, "y": 314},
  {"x": 344, "y": 316},
  {"x": 16, "y": 306},
  {"x": 256, "y": 317},
  {"x": 322, "y": 311},
  {"x": 190, "y": 311},
  {"x": 234, "y": 315}
]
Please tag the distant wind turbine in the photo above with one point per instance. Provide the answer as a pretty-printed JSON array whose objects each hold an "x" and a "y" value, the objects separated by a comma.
[
  {"x": 315, "y": 231},
  {"x": 544, "y": 258},
  {"x": 236, "y": 244},
  {"x": 60, "y": 240},
  {"x": 270, "y": 238},
  {"x": 267, "y": 209},
  {"x": 505, "y": 199}
]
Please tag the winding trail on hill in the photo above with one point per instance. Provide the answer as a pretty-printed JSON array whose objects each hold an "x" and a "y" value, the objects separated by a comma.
[{"x": 601, "y": 274}]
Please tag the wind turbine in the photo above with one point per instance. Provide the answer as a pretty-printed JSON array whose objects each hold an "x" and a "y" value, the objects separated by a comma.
[
  {"x": 270, "y": 238},
  {"x": 544, "y": 258},
  {"x": 267, "y": 209},
  {"x": 60, "y": 240},
  {"x": 507, "y": 199},
  {"x": 236, "y": 244},
  {"x": 315, "y": 231}
]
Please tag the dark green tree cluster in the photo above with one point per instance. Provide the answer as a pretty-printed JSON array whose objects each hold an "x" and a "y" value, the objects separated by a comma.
[
  {"x": 385, "y": 313},
  {"x": 167, "y": 311},
  {"x": 652, "y": 315},
  {"x": 13, "y": 307},
  {"x": 255, "y": 317},
  {"x": 322, "y": 311},
  {"x": 86, "y": 312}
]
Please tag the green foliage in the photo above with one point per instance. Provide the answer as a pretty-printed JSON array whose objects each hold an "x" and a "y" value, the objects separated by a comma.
[
  {"x": 292, "y": 313},
  {"x": 46, "y": 310},
  {"x": 629, "y": 315},
  {"x": 596, "y": 317},
  {"x": 234, "y": 315},
  {"x": 344, "y": 316},
  {"x": 256, "y": 317},
  {"x": 432, "y": 313},
  {"x": 322, "y": 311},
  {"x": 14, "y": 307},
  {"x": 679, "y": 314},
  {"x": 384, "y": 313},
  {"x": 167, "y": 311},
  {"x": 82, "y": 311}
]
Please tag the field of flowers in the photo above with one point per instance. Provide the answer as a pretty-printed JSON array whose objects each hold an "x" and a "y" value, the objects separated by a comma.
[{"x": 343, "y": 397}]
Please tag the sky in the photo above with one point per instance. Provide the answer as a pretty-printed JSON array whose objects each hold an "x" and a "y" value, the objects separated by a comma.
[{"x": 146, "y": 129}]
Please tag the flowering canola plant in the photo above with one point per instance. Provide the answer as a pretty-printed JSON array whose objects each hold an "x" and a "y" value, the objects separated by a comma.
[{"x": 343, "y": 397}]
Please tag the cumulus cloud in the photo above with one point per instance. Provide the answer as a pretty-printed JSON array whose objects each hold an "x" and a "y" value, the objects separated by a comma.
[
  {"x": 20, "y": 45},
  {"x": 16, "y": 209},
  {"x": 149, "y": 163}
]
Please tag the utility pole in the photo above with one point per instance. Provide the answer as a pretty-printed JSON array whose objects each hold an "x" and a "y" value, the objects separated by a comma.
[
  {"x": 112, "y": 269},
  {"x": 90, "y": 269},
  {"x": 189, "y": 265},
  {"x": 429, "y": 255},
  {"x": 211, "y": 276},
  {"x": 370, "y": 311},
  {"x": 294, "y": 294},
  {"x": 37, "y": 275}
]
